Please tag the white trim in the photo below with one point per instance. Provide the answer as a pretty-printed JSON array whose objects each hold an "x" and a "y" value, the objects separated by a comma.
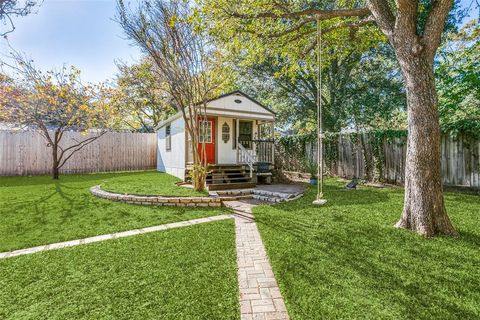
[
  {"x": 241, "y": 114},
  {"x": 211, "y": 134},
  {"x": 232, "y": 113},
  {"x": 171, "y": 119},
  {"x": 223, "y": 113}
]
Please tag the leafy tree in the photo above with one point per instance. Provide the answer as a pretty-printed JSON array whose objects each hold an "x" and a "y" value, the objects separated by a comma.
[
  {"x": 362, "y": 90},
  {"x": 458, "y": 81},
  {"x": 374, "y": 94},
  {"x": 294, "y": 97},
  {"x": 141, "y": 95},
  {"x": 413, "y": 29},
  {"x": 53, "y": 103}
]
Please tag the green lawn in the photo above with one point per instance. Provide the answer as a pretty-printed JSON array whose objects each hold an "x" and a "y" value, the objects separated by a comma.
[
  {"x": 149, "y": 183},
  {"x": 39, "y": 210},
  {"x": 346, "y": 261},
  {"x": 185, "y": 273}
]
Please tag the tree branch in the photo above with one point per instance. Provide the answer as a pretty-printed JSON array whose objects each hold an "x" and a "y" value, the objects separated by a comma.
[
  {"x": 434, "y": 26},
  {"x": 315, "y": 13},
  {"x": 383, "y": 16},
  {"x": 9, "y": 8},
  {"x": 352, "y": 25},
  {"x": 77, "y": 147},
  {"x": 406, "y": 19}
]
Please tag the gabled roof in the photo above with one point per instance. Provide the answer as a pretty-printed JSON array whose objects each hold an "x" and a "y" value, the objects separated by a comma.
[{"x": 236, "y": 92}]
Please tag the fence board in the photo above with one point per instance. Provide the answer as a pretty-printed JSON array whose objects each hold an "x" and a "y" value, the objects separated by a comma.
[
  {"x": 27, "y": 153},
  {"x": 460, "y": 160}
]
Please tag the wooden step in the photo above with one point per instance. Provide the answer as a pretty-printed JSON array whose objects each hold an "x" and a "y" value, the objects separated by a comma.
[
  {"x": 220, "y": 177},
  {"x": 228, "y": 180},
  {"x": 236, "y": 173},
  {"x": 225, "y": 167},
  {"x": 233, "y": 185}
]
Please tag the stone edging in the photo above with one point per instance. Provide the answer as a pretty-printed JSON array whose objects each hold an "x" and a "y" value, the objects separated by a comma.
[
  {"x": 116, "y": 235},
  {"x": 157, "y": 200}
]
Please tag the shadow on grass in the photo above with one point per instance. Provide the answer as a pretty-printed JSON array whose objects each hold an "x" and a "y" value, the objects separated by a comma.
[
  {"x": 338, "y": 196},
  {"x": 333, "y": 255},
  {"x": 41, "y": 205}
]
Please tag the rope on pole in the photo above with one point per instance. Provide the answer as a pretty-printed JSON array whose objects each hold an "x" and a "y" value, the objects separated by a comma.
[{"x": 319, "y": 114}]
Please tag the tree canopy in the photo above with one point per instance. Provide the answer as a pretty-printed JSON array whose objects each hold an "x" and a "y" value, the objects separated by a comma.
[
  {"x": 141, "y": 95},
  {"x": 413, "y": 29},
  {"x": 458, "y": 81}
]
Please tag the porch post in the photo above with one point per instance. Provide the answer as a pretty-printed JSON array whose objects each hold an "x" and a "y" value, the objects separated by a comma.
[
  {"x": 237, "y": 128},
  {"x": 273, "y": 144}
]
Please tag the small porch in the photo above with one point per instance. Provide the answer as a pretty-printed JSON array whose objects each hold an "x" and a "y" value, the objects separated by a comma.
[
  {"x": 230, "y": 141},
  {"x": 240, "y": 152},
  {"x": 238, "y": 136}
]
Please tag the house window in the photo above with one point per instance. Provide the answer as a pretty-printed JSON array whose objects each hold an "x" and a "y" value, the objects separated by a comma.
[
  {"x": 205, "y": 132},
  {"x": 168, "y": 137},
  {"x": 245, "y": 133}
]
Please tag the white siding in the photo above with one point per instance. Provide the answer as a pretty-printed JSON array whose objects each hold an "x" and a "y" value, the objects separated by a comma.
[
  {"x": 225, "y": 109},
  {"x": 173, "y": 161},
  {"x": 226, "y": 154},
  {"x": 247, "y": 107}
]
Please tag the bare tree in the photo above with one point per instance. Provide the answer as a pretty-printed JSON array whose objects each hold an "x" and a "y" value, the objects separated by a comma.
[
  {"x": 12, "y": 8},
  {"x": 167, "y": 33},
  {"x": 53, "y": 103}
]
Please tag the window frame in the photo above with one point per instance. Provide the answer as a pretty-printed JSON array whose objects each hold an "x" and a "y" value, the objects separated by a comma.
[
  {"x": 168, "y": 137},
  {"x": 249, "y": 147},
  {"x": 201, "y": 136}
]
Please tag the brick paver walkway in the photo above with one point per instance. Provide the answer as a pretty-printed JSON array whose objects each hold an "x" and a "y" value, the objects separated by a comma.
[
  {"x": 260, "y": 297},
  {"x": 116, "y": 235}
]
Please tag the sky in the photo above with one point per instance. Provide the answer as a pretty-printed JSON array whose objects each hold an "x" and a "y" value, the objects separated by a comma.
[
  {"x": 80, "y": 33},
  {"x": 73, "y": 32}
]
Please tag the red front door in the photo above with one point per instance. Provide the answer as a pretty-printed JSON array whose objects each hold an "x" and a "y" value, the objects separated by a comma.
[{"x": 207, "y": 135}]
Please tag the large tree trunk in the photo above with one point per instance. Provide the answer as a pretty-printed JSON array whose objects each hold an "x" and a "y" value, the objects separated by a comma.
[{"x": 424, "y": 209}]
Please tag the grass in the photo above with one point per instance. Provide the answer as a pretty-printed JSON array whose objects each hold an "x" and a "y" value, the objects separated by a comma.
[
  {"x": 38, "y": 210},
  {"x": 186, "y": 273},
  {"x": 346, "y": 261},
  {"x": 150, "y": 183}
]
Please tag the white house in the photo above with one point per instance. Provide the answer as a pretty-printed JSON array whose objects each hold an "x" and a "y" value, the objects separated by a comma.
[{"x": 238, "y": 141}]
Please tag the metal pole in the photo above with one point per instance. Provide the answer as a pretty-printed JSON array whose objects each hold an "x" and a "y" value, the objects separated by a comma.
[{"x": 319, "y": 114}]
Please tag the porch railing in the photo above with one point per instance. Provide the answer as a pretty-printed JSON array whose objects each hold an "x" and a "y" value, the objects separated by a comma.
[
  {"x": 264, "y": 150},
  {"x": 246, "y": 156},
  {"x": 258, "y": 150}
]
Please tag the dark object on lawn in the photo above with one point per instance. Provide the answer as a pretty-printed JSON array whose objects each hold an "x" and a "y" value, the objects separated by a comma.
[
  {"x": 352, "y": 185},
  {"x": 263, "y": 167}
]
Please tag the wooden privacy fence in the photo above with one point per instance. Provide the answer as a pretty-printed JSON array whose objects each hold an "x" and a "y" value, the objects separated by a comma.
[
  {"x": 27, "y": 153},
  {"x": 355, "y": 158}
]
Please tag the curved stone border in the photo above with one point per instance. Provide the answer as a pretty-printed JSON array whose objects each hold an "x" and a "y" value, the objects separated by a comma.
[{"x": 157, "y": 200}]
